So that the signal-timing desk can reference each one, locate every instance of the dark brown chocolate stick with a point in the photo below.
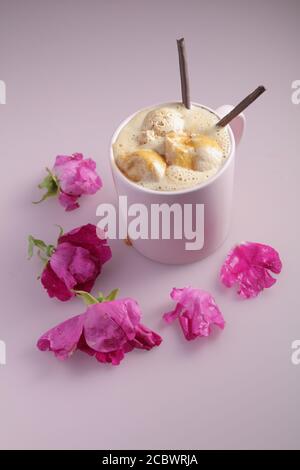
(184, 77)
(241, 106)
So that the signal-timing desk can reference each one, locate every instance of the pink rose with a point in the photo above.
(74, 263)
(197, 312)
(106, 330)
(71, 177)
(248, 265)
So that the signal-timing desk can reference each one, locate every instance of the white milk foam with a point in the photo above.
(197, 120)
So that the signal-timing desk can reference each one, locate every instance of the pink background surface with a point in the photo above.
(74, 70)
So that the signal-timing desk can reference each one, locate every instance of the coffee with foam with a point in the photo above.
(185, 147)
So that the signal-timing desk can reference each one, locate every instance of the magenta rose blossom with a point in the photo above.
(74, 263)
(71, 177)
(107, 331)
(248, 266)
(196, 310)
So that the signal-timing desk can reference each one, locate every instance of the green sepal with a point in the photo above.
(111, 296)
(46, 250)
(50, 250)
(100, 297)
(51, 185)
(32, 242)
(61, 230)
(86, 297)
(90, 299)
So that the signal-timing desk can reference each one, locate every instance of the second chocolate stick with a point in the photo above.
(241, 106)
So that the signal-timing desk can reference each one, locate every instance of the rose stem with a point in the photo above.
(184, 77)
(241, 106)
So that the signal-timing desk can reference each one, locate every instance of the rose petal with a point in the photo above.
(87, 237)
(89, 182)
(63, 338)
(82, 266)
(60, 261)
(169, 317)
(109, 325)
(106, 330)
(73, 265)
(76, 175)
(248, 265)
(55, 286)
(145, 338)
(67, 201)
(197, 312)
(76, 262)
(114, 357)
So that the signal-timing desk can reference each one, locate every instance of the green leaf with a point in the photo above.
(30, 246)
(44, 251)
(61, 230)
(49, 183)
(90, 299)
(112, 295)
(32, 242)
(50, 250)
(86, 297)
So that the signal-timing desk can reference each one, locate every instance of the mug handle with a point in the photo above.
(237, 124)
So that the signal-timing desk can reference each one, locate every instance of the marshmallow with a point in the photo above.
(142, 165)
(163, 120)
(179, 150)
(149, 140)
(208, 153)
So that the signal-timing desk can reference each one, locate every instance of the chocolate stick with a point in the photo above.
(184, 77)
(241, 106)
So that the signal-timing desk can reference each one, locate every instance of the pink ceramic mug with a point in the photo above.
(215, 196)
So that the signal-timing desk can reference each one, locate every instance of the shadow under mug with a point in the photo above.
(215, 196)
